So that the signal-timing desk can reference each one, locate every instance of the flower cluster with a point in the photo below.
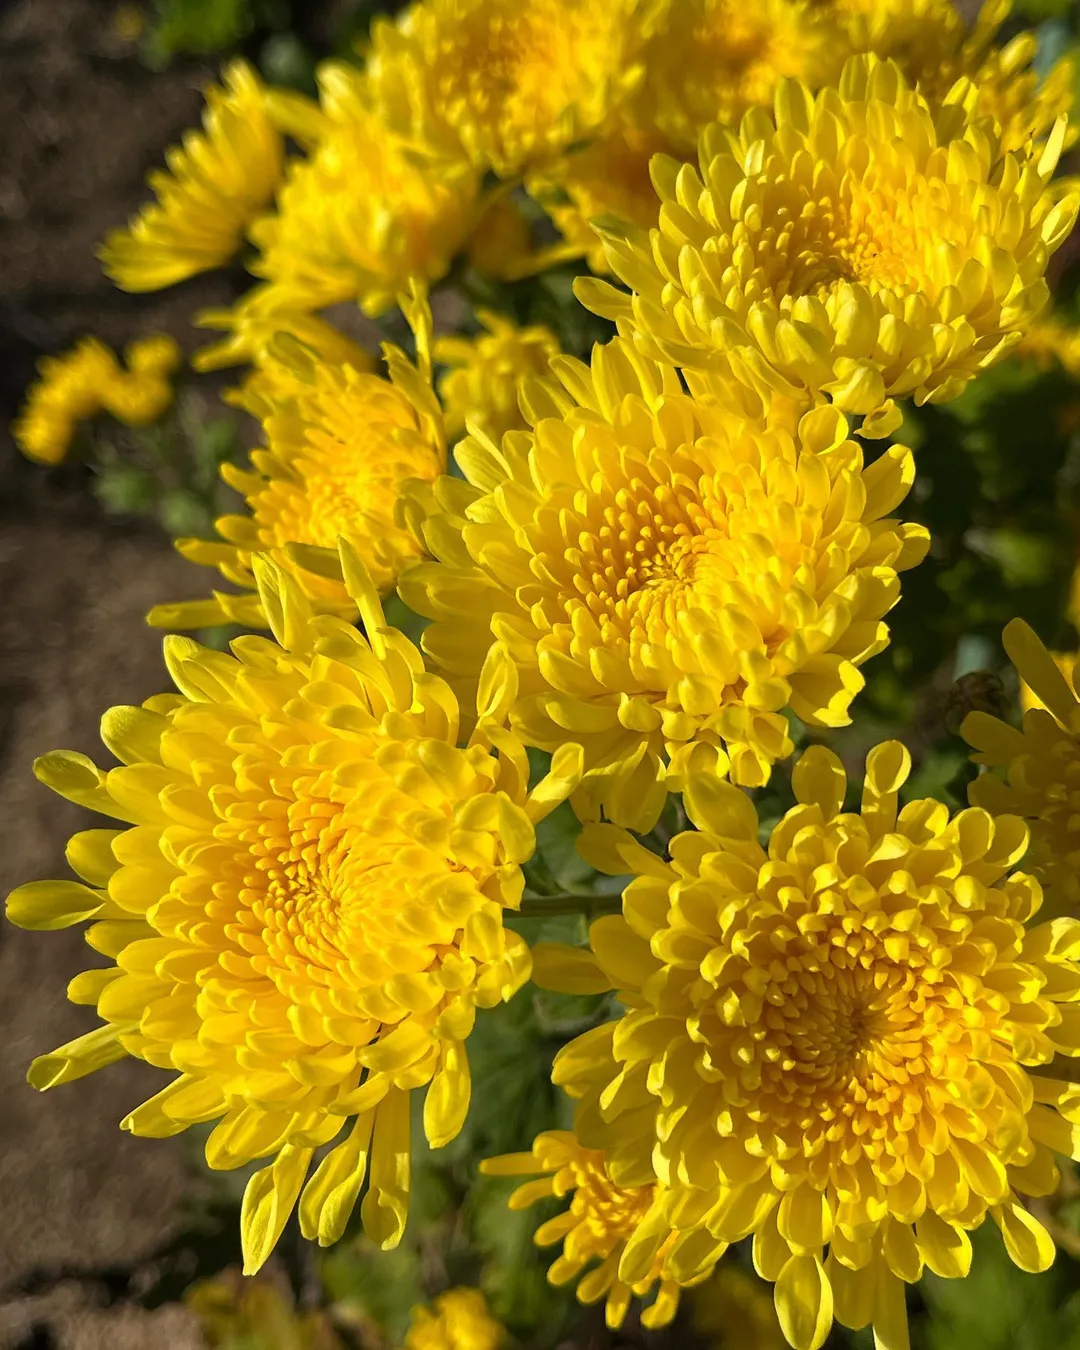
(89, 380)
(646, 575)
(305, 908)
(826, 1042)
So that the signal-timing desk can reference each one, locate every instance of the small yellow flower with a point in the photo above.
(934, 47)
(481, 385)
(601, 1218)
(340, 443)
(89, 380)
(360, 216)
(860, 247)
(714, 59)
(215, 185)
(1041, 761)
(1049, 342)
(458, 1320)
(253, 324)
(827, 1043)
(668, 577)
(233, 1311)
(505, 84)
(304, 903)
(609, 177)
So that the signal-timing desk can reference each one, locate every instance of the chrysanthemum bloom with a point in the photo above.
(340, 443)
(713, 59)
(305, 906)
(1049, 342)
(215, 185)
(506, 85)
(826, 1044)
(481, 385)
(667, 577)
(596, 1227)
(861, 247)
(608, 177)
(359, 217)
(457, 1320)
(934, 47)
(1041, 761)
(88, 380)
(252, 324)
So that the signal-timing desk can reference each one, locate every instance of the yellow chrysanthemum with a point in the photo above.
(713, 59)
(458, 1320)
(934, 47)
(609, 177)
(481, 385)
(667, 577)
(340, 445)
(1041, 761)
(504, 84)
(359, 217)
(596, 1227)
(254, 322)
(862, 246)
(89, 380)
(215, 185)
(826, 1043)
(1050, 342)
(305, 907)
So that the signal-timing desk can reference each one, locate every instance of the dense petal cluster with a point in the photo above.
(304, 905)
(457, 1320)
(481, 385)
(340, 444)
(359, 216)
(826, 1042)
(502, 84)
(860, 246)
(934, 47)
(714, 59)
(215, 185)
(88, 380)
(595, 1228)
(667, 577)
(1041, 763)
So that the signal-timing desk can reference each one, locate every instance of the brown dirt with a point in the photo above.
(83, 121)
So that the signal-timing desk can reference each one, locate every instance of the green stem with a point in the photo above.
(553, 906)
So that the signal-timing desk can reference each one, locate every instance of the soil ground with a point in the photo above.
(82, 120)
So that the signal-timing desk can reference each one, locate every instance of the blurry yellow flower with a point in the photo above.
(234, 1312)
(596, 1227)
(934, 47)
(733, 1311)
(217, 182)
(1041, 763)
(255, 321)
(609, 177)
(482, 383)
(667, 578)
(1050, 342)
(501, 243)
(826, 1043)
(89, 380)
(340, 444)
(458, 1320)
(360, 216)
(864, 247)
(505, 84)
(714, 59)
(304, 905)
